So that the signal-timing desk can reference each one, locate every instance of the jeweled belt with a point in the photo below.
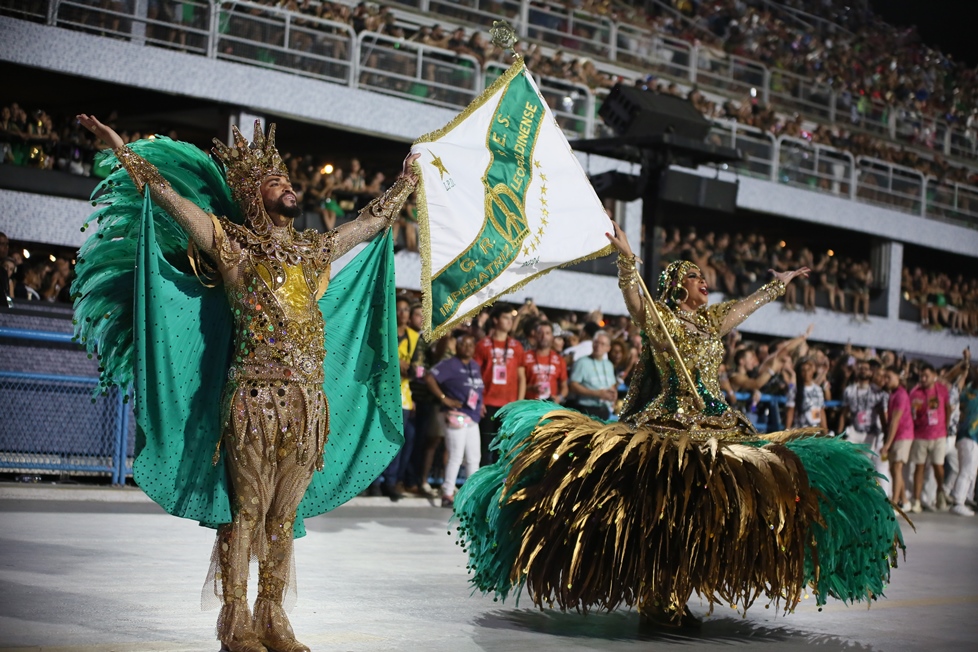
(307, 370)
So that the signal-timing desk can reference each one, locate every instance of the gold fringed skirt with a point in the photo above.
(583, 514)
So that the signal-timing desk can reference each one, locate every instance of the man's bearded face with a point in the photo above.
(279, 197)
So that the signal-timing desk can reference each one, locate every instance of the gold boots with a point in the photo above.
(234, 624)
(271, 622)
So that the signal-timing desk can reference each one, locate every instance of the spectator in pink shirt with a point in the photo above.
(931, 412)
(899, 435)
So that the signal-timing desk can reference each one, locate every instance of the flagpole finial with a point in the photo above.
(503, 36)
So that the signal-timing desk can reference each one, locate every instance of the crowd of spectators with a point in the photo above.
(40, 140)
(866, 58)
(37, 139)
(736, 264)
(587, 361)
(945, 301)
(38, 279)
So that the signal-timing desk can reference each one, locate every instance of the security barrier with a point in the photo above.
(49, 423)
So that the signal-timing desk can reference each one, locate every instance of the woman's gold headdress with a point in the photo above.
(671, 282)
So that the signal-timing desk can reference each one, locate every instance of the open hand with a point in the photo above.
(786, 277)
(106, 134)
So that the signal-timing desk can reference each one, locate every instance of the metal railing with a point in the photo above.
(284, 40)
(573, 105)
(816, 167)
(34, 10)
(473, 12)
(889, 185)
(759, 147)
(803, 94)
(951, 201)
(186, 26)
(673, 57)
(570, 29)
(49, 423)
(416, 71)
(730, 74)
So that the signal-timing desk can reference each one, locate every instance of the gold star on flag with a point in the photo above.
(536, 164)
(436, 161)
(543, 177)
(543, 190)
(540, 231)
(543, 201)
(545, 213)
(544, 221)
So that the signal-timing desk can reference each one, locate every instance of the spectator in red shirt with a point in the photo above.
(500, 358)
(546, 373)
(931, 412)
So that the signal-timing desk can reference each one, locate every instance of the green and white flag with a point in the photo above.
(502, 200)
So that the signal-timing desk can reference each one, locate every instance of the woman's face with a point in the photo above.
(465, 347)
(616, 354)
(695, 285)
(807, 371)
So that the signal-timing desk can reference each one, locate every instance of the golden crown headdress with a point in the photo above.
(246, 165)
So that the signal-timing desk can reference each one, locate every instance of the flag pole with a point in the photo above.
(650, 304)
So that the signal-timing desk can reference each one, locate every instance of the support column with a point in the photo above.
(140, 14)
(887, 263)
(631, 223)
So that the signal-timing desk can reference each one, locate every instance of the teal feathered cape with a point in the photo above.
(142, 310)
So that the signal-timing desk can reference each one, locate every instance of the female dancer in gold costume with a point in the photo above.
(679, 496)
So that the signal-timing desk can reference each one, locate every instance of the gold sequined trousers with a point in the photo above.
(274, 435)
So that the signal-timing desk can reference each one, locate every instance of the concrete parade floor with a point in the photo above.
(104, 570)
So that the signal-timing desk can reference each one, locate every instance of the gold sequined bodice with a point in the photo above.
(698, 339)
(278, 327)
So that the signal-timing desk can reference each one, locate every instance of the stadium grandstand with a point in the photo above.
(859, 144)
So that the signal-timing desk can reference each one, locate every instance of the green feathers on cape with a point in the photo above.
(140, 308)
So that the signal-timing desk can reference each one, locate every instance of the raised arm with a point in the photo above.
(187, 214)
(628, 276)
(730, 314)
(379, 213)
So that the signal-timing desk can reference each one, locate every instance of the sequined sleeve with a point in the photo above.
(728, 315)
(628, 283)
(375, 216)
(188, 215)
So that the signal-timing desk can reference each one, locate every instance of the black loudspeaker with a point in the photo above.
(701, 192)
(617, 185)
(632, 112)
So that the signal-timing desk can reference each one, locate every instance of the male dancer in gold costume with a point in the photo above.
(276, 417)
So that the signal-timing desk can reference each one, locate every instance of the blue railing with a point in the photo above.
(51, 422)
